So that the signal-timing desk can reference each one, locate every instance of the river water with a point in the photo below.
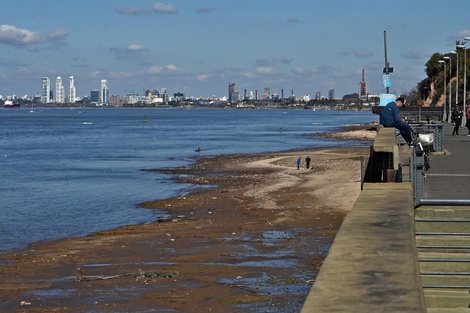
(72, 172)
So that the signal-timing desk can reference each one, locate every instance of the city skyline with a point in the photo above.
(198, 48)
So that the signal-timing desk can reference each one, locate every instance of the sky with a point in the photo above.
(198, 47)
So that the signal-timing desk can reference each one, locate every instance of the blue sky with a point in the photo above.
(198, 47)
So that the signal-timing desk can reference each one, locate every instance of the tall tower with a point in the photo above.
(104, 92)
(46, 90)
(267, 93)
(362, 87)
(231, 92)
(331, 94)
(59, 90)
(72, 90)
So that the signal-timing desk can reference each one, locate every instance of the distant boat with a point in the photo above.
(32, 108)
(87, 123)
(9, 104)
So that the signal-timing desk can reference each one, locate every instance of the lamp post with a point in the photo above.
(450, 82)
(465, 80)
(456, 76)
(444, 115)
(450, 88)
(461, 45)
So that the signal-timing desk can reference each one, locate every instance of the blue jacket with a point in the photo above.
(390, 114)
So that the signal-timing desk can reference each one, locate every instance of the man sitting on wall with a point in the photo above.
(390, 118)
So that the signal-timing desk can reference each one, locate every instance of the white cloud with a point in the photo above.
(164, 8)
(170, 68)
(11, 35)
(202, 77)
(155, 70)
(265, 70)
(136, 47)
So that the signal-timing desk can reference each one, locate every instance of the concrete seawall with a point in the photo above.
(372, 265)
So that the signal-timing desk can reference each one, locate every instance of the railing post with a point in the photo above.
(417, 174)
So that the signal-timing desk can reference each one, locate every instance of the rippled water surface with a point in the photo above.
(74, 172)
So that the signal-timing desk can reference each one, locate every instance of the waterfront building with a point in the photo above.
(72, 90)
(318, 95)
(95, 96)
(267, 93)
(59, 90)
(132, 98)
(331, 94)
(232, 94)
(46, 90)
(104, 92)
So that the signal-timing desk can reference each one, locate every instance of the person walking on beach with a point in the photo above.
(390, 117)
(307, 162)
(467, 114)
(457, 119)
(298, 163)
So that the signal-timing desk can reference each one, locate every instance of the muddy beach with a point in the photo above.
(251, 239)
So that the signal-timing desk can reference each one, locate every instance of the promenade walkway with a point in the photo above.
(443, 227)
(449, 175)
(388, 255)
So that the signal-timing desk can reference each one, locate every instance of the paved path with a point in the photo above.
(443, 232)
(449, 175)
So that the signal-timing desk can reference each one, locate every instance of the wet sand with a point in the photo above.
(253, 243)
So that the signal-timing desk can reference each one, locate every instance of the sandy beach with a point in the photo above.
(251, 239)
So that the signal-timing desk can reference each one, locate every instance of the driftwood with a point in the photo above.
(81, 276)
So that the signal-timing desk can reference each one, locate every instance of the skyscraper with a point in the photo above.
(72, 91)
(46, 90)
(267, 93)
(104, 96)
(59, 90)
(232, 96)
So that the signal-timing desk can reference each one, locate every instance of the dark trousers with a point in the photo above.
(404, 129)
(458, 122)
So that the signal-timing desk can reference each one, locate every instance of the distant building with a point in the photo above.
(59, 90)
(132, 98)
(179, 96)
(232, 94)
(95, 95)
(46, 90)
(72, 90)
(267, 93)
(157, 96)
(104, 92)
(331, 94)
(318, 95)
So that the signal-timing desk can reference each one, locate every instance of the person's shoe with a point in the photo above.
(415, 141)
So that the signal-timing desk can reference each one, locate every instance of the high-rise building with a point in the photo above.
(59, 91)
(95, 95)
(267, 93)
(331, 94)
(232, 94)
(318, 95)
(72, 90)
(46, 90)
(104, 92)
